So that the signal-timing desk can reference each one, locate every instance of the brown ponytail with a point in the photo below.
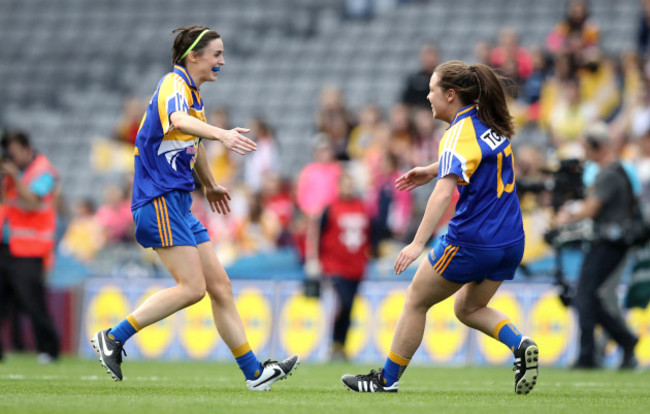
(184, 39)
(480, 85)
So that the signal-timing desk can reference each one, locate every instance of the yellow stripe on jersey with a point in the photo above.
(464, 111)
(169, 229)
(446, 147)
(182, 69)
(198, 97)
(198, 114)
(144, 117)
(136, 151)
(173, 90)
(460, 143)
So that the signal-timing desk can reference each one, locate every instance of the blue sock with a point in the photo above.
(394, 368)
(124, 330)
(508, 334)
(247, 361)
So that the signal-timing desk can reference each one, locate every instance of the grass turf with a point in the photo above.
(76, 385)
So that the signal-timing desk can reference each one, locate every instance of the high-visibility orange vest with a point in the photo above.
(31, 230)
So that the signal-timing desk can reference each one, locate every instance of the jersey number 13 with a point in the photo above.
(509, 166)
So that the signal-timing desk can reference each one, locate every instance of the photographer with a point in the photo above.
(608, 203)
(27, 228)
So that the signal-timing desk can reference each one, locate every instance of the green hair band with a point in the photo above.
(189, 49)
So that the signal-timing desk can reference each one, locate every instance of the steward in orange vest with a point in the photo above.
(32, 225)
(28, 187)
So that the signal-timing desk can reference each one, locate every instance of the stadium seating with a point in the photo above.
(67, 65)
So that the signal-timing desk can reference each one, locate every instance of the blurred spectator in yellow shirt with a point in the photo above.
(84, 236)
(568, 120)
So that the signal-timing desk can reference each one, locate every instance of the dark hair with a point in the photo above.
(17, 136)
(184, 39)
(480, 85)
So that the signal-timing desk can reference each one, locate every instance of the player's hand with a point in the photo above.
(406, 257)
(235, 141)
(218, 198)
(414, 178)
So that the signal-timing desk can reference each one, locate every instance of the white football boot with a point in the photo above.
(273, 371)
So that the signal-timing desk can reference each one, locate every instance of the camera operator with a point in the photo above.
(27, 226)
(608, 203)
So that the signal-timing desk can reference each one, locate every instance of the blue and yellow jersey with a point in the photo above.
(164, 156)
(487, 213)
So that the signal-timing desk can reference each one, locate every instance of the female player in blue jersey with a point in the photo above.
(167, 148)
(485, 240)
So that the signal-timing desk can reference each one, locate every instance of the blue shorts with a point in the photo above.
(167, 221)
(461, 264)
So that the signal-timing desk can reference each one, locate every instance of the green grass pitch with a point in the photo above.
(82, 386)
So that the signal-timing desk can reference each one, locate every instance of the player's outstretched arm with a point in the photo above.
(416, 177)
(218, 197)
(436, 206)
(231, 138)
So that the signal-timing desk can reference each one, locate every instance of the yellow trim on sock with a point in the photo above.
(498, 328)
(241, 350)
(130, 319)
(399, 360)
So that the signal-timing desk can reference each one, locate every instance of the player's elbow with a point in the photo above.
(444, 190)
(179, 120)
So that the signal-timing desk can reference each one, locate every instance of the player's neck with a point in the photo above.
(195, 76)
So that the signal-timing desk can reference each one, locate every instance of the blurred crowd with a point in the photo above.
(556, 90)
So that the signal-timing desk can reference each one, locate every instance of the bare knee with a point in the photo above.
(194, 292)
(464, 311)
(221, 290)
(461, 313)
(416, 302)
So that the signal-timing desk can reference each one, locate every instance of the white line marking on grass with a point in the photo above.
(589, 384)
(37, 377)
(152, 378)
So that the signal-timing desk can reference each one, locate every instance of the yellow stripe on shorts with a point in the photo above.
(161, 223)
(442, 258)
(169, 229)
(442, 264)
